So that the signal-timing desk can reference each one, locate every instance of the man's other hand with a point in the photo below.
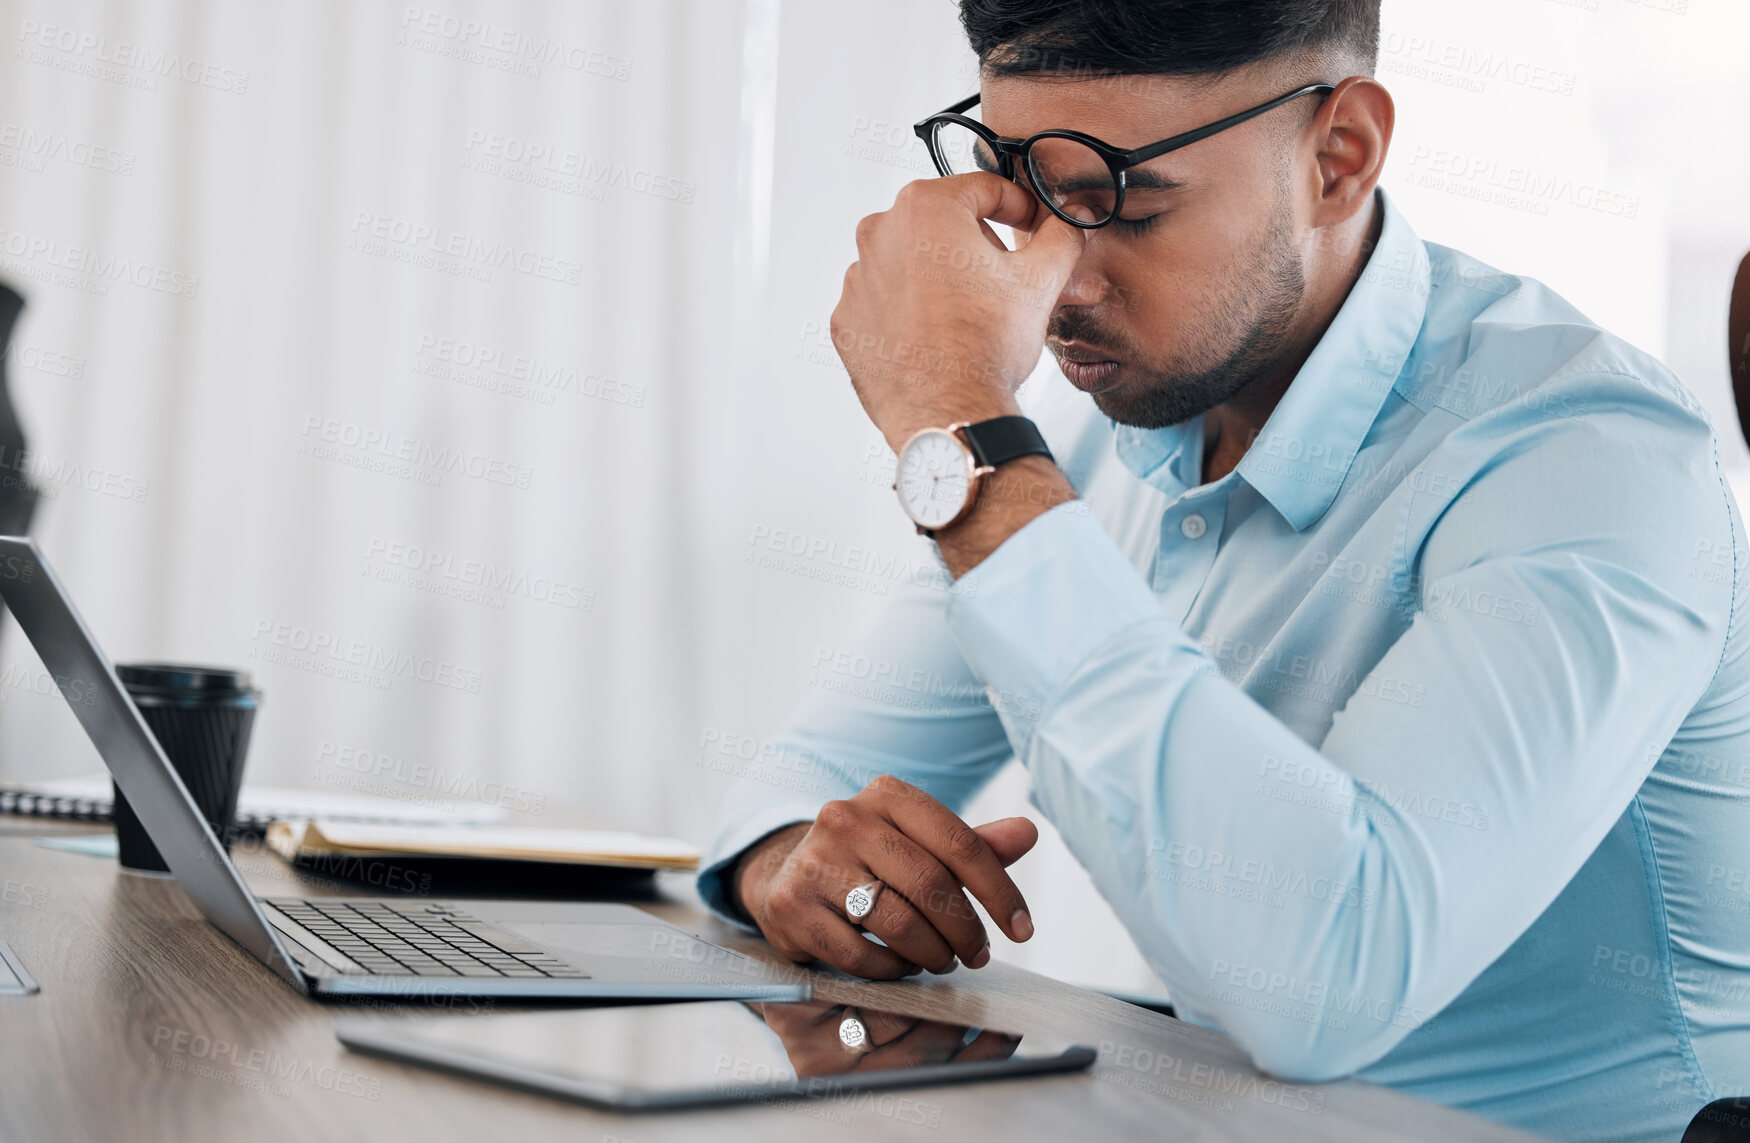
(793, 883)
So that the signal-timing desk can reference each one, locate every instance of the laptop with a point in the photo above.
(409, 948)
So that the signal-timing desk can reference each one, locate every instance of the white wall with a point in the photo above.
(700, 406)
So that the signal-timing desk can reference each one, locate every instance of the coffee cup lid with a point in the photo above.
(182, 677)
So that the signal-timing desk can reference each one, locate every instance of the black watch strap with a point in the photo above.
(1002, 439)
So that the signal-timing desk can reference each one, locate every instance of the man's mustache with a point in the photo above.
(1076, 326)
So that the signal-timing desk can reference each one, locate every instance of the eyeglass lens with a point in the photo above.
(1064, 172)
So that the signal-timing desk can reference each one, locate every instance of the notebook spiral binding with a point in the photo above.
(28, 803)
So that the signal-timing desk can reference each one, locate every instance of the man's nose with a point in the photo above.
(1086, 285)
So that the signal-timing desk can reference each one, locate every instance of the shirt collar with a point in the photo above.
(1306, 448)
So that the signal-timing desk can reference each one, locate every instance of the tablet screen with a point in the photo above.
(669, 1054)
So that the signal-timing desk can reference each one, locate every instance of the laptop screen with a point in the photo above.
(85, 677)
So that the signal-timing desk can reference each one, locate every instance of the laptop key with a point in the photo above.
(432, 940)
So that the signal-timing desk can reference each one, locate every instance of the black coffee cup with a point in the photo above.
(201, 716)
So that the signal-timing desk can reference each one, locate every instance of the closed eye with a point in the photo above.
(1136, 226)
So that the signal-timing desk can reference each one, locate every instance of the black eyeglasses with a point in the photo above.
(1066, 168)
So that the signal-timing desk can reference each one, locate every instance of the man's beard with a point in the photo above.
(1255, 338)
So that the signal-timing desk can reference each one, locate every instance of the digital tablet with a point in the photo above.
(651, 1057)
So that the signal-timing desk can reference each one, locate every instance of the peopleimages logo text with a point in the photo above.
(434, 240)
(308, 649)
(338, 434)
(90, 48)
(35, 144)
(563, 161)
(480, 365)
(97, 265)
(426, 776)
(482, 574)
(481, 35)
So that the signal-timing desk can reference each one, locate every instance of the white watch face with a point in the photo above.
(935, 476)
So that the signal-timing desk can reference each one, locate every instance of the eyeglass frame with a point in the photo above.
(1119, 161)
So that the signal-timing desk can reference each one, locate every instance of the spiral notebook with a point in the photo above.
(88, 799)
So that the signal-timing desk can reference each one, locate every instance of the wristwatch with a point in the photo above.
(940, 471)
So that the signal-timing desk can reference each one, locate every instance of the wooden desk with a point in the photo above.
(129, 970)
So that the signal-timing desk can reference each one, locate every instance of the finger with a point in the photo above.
(990, 196)
(832, 939)
(931, 1042)
(818, 1051)
(1054, 245)
(989, 1046)
(914, 874)
(791, 1017)
(1009, 838)
(907, 932)
(993, 237)
(885, 1027)
(958, 847)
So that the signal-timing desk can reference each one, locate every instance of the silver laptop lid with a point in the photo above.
(199, 863)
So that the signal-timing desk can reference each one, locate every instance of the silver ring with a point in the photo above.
(853, 1035)
(859, 902)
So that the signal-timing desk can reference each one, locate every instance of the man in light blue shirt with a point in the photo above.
(1374, 636)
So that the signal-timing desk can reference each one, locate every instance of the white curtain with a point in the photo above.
(445, 363)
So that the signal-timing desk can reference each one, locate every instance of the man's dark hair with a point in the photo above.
(1165, 37)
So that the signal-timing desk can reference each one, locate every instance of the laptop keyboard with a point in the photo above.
(404, 938)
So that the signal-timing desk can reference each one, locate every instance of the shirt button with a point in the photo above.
(1193, 526)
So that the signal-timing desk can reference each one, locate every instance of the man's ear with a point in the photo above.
(1351, 134)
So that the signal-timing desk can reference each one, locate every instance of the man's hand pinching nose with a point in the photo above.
(939, 321)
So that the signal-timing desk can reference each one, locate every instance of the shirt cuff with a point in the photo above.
(737, 836)
(1034, 611)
